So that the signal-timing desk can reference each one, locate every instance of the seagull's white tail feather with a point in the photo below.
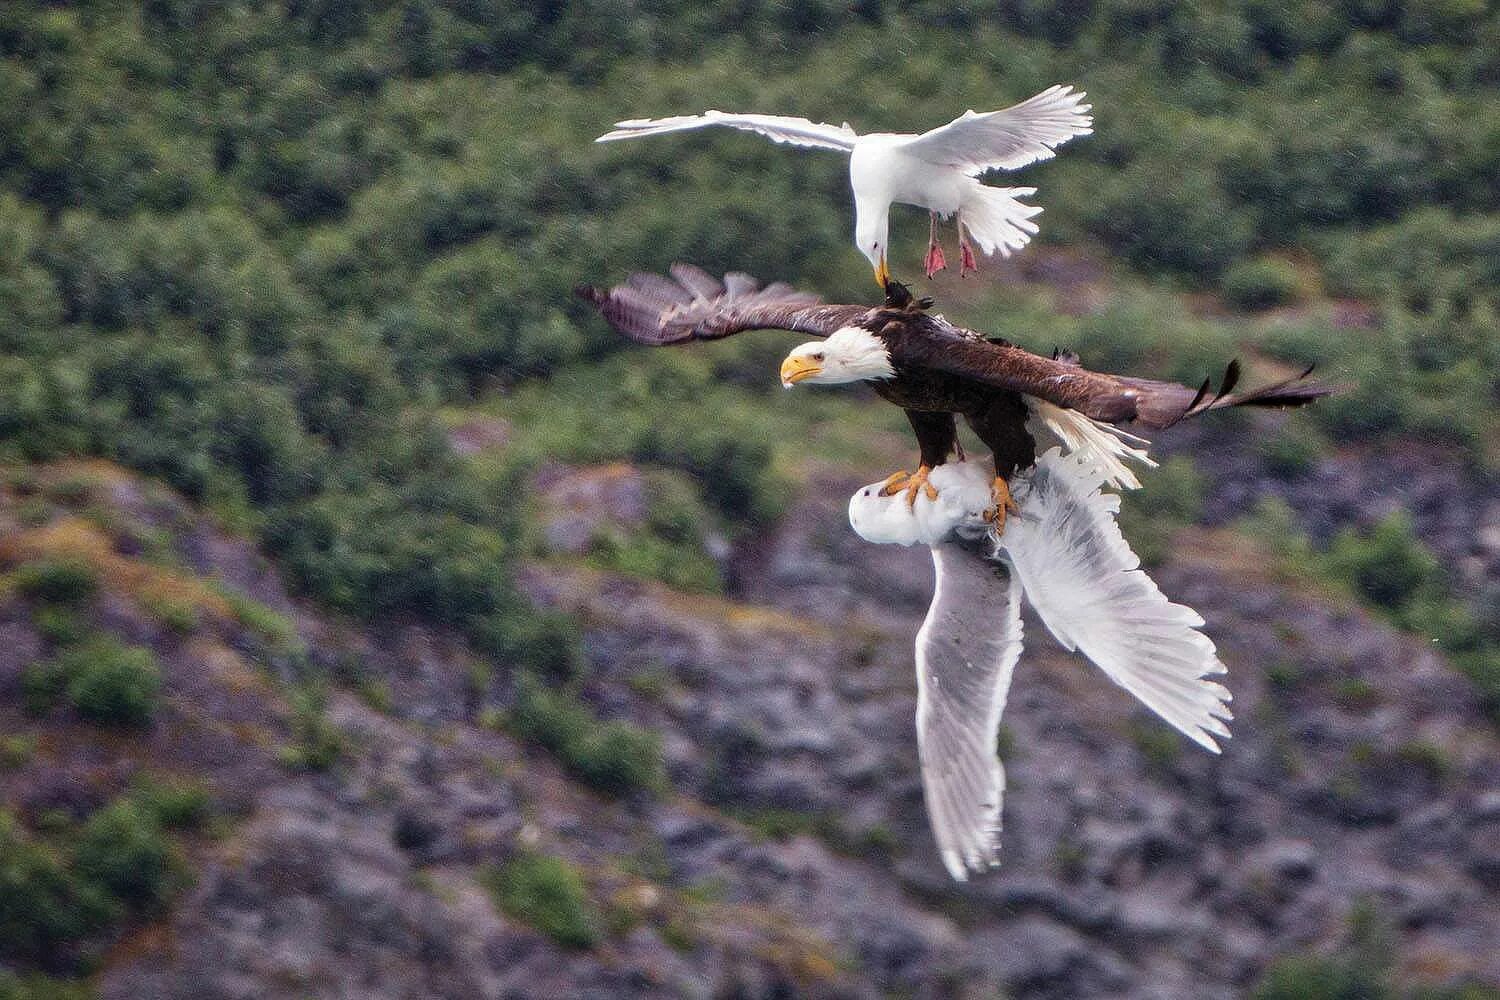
(1101, 445)
(995, 219)
(1089, 590)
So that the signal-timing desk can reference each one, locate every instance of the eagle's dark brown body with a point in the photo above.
(941, 371)
(932, 401)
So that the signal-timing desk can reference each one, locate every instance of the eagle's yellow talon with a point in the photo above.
(1004, 504)
(911, 483)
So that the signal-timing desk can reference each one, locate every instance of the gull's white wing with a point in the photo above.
(966, 651)
(1007, 139)
(778, 128)
(1090, 592)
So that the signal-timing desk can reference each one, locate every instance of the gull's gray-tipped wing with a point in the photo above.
(777, 128)
(1089, 590)
(694, 305)
(966, 651)
(1006, 139)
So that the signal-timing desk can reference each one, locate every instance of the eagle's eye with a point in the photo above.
(818, 356)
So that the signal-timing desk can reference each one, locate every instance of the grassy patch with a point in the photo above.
(546, 893)
(614, 757)
(61, 580)
(316, 744)
(103, 680)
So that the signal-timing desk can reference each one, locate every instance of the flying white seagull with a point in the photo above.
(935, 170)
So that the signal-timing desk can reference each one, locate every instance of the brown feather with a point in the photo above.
(654, 310)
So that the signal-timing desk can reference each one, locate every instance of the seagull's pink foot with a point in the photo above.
(934, 261)
(969, 263)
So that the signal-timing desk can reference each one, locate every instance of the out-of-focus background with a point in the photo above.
(373, 622)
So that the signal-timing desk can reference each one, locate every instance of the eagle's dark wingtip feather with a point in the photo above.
(1231, 378)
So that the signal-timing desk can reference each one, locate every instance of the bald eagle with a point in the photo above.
(1052, 428)
(935, 170)
(1012, 399)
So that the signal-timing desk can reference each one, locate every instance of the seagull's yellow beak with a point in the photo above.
(882, 273)
(796, 368)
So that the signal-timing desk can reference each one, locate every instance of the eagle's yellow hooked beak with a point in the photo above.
(882, 273)
(796, 368)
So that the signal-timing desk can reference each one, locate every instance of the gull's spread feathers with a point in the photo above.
(1010, 139)
(777, 128)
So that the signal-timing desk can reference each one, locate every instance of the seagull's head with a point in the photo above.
(850, 354)
(871, 233)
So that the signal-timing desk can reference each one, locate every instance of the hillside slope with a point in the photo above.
(791, 852)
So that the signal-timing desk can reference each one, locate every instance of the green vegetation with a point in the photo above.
(616, 758)
(123, 850)
(1261, 283)
(44, 904)
(102, 679)
(63, 887)
(546, 893)
(317, 743)
(57, 581)
(39, 987)
(279, 312)
(1172, 499)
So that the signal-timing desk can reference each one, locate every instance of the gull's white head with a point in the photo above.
(872, 234)
(850, 354)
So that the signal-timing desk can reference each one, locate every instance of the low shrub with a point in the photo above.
(1260, 283)
(111, 683)
(546, 893)
(62, 580)
(177, 803)
(44, 906)
(123, 850)
(615, 757)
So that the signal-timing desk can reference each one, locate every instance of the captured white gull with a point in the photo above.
(1065, 553)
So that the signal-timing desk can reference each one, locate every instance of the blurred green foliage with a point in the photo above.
(104, 681)
(547, 893)
(63, 886)
(616, 758)
(63, 581)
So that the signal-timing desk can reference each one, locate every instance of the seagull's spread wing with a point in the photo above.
(1089, 590)
(777, 128)
(1008, 139)
(694, 305)
(966, 651)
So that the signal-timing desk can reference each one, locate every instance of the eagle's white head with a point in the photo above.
(850, 354)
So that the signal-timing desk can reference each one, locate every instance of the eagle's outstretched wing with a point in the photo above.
(1007, 139)
(966, 651)
(654, 310)
(1115, 399)
(777, 128)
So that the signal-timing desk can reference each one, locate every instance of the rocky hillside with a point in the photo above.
(366, 820)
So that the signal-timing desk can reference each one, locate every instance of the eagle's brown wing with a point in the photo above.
(1115, 399)
(651, 309)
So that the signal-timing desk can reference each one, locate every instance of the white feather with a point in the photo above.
(1102, 446)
